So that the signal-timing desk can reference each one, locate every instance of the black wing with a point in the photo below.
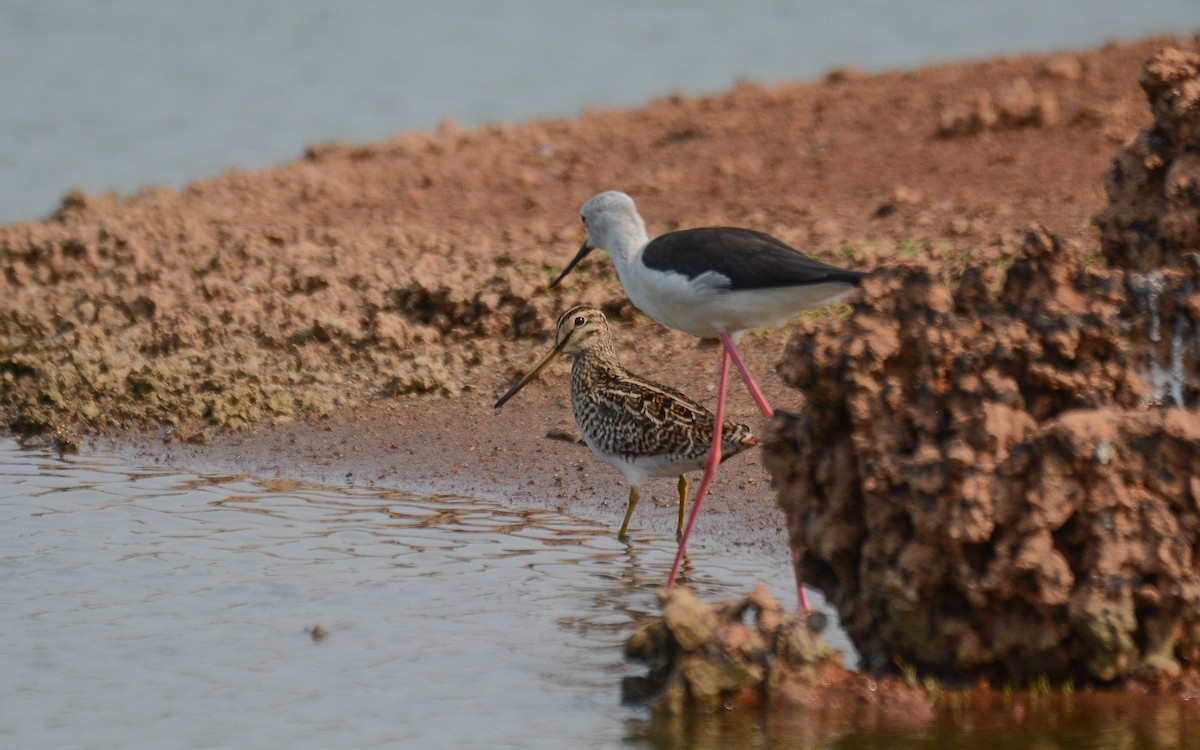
(749, 259)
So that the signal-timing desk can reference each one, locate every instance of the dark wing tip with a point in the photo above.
(748, 258)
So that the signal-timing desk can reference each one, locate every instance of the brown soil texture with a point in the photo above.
(419, 265)
(353, 315)
(1002, 479)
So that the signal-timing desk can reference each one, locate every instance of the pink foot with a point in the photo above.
(800, 595)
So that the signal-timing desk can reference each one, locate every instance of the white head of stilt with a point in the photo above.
(700, 298)
(614, 225)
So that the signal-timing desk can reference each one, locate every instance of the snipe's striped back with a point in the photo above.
(639, 427)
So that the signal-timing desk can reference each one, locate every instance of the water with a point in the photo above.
(156, 608)
(128, 93)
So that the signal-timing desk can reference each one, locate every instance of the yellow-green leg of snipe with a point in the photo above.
(634, 496)
(683, 485)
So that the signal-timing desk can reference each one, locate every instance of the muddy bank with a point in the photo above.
(1000, 480)
(357, 312)
(418, 265)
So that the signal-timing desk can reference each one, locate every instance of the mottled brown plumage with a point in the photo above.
(637, 426)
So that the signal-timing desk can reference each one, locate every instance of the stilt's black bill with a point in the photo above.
(583, 251)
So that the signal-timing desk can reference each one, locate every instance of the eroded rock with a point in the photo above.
(748, 653)
(1004, 485)
(1153, 212)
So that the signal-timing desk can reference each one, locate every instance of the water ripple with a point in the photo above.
(155, 608)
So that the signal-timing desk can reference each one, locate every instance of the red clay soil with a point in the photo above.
(354, 315)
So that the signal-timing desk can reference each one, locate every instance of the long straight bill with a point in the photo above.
(537, 370)
(583, 251)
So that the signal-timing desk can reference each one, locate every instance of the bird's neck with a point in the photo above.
(625, 244)
(600, 359)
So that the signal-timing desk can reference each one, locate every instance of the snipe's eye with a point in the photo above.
(579, 321)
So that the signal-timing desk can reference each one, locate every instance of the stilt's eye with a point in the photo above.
(579, 321)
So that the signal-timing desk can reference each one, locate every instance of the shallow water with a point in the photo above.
(158, 608)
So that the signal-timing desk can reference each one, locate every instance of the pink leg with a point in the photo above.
(767, 412)
(710, 469)
(759, 398)
(800, 595)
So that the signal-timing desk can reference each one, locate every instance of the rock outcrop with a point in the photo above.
(1005, 483)
(747, 653)
(1153, 213)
